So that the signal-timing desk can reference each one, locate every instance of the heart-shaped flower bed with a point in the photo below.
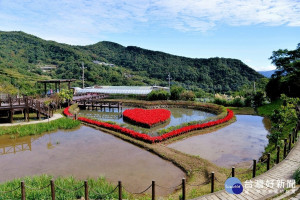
(148, 138)
(146, 117)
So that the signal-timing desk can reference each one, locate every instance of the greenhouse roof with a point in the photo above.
(139, 90)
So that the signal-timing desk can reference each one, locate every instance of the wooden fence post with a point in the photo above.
(23, 195)
(183, 189)
(120, 190)
(232, 171)
(278, 154)
(268, 161)
(284, 149)
(52, 189)
(212, 182)
(290, 141)
(153, 190)
(86, 190)
(254, 169)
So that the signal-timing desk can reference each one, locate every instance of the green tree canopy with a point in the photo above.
(287, 79)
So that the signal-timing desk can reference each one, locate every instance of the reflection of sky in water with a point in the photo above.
(178, 116)
(244, 140)
(83, 153)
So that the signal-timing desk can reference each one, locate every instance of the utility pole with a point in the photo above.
(169, 78)
(82, 64)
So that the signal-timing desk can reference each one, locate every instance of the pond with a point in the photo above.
(84, 153)
(238, 143)
(178, 116)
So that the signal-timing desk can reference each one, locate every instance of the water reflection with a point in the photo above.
(84, 153)
(239, 142)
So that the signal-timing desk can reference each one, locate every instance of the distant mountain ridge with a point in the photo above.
(267, 74)
(24, 54)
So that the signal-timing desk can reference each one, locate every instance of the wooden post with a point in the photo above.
(153, 190)
(254, 169)
(86, 190)
(290, 141)
(268, 162)
(183, 189)
(23, 195)
(11, 116)
(278, 154)
(293, 138)
(232, 171)
(52, 189)
(284, 149)
(120, 190)
(212, 182)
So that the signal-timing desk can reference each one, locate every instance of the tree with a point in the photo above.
(286, 79)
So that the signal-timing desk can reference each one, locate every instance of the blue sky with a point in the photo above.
(248, 30)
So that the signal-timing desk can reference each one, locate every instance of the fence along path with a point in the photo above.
(282, 171)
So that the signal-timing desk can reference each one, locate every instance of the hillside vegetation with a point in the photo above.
(22, 56)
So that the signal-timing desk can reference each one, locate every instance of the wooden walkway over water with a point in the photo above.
(96, 101)
(282, 172)
(10, 105)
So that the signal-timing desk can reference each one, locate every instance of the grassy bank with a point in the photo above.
(36, 129)
(65, 188)
(268, 109)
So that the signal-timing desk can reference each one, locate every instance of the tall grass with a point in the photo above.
(64, 188)
(37, 129)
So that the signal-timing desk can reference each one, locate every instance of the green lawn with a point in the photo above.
(267, 110)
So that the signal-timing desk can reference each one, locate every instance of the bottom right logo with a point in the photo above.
(233, 186)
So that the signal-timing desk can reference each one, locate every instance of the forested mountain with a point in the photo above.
(23, 56)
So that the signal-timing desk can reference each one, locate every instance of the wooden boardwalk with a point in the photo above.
(282, 172)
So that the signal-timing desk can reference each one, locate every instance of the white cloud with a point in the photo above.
(96, 17)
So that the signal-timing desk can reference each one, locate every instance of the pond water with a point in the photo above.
(84, 153)
(240, 142)
(178, 116)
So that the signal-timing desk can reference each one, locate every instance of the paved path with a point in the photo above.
(55, 116)
(283, 171)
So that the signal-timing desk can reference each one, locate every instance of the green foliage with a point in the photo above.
(188, 95)
(37, 129)
(22, 55)
(268, 109)
(258, 99)
(283, 119)
(65, 95)
(176, 92)
(296, 176)
(286, 80)
(158, 95)
(98, 186)
(237, 102)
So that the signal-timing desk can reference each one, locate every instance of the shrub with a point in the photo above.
(220, 101)
(237, 102)
(176, 92)
(188, 95)
(158, 95)
(296, 176)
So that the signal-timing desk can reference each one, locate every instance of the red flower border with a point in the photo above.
(150, 139)
(144, 117)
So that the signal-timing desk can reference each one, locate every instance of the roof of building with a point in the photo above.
(139, 90)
